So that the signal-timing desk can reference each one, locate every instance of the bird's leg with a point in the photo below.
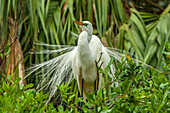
(97, 79)
(82, 88)
(95, 89)
(82, 80)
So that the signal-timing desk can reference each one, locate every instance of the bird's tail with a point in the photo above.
(56, 70)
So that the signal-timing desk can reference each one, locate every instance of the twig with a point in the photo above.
(13, 42)
(22, 58)
(108, 84)
(166, 73)
(144, 102)
(109, 100)
(150, 66)
(111, 105)
(76, 106)
(97, 82)
(156, 5)
(100, 57)
(97, 79)
(90, 107)
(9, 45)
(100, 65)
(141, 84)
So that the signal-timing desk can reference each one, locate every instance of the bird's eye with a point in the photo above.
(85, 24)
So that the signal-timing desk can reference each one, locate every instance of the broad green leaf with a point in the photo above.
(133, 42)
(151, 52)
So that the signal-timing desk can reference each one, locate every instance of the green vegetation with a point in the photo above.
(15, 98)
(145, 35)
(139, 90)
(122, 24)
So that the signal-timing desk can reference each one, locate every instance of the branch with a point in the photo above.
(10, 44)
(156, 5)
(150, 66)
(97, 82)
(166, 73)
(143, 102)
(76, 106)
(100, 57)
(22, 58)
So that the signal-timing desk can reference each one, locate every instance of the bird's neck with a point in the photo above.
(84, 51)
(85, 37)
(89, 38)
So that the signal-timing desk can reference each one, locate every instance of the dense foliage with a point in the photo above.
(21, 99)
(139, 90)
(122, 24)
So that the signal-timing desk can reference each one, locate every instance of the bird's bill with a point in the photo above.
(79, 23)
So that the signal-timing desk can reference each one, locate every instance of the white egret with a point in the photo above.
(89, 50)
(77, 62)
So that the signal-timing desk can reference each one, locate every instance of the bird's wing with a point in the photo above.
(96, 47)
(102, 59)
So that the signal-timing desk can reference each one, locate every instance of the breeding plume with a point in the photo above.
(75, 62)
(89, 51)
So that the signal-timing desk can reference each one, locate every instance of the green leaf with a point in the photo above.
(162, 85)
(28, 86)
(21, 86)
(60, 109)
(133, 42)
(1, 55)
(7, 49)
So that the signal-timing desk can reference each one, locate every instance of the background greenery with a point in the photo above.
(139, 90)
(138, 26)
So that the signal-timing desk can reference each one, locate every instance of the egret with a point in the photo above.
(76, 62)
(89, 50)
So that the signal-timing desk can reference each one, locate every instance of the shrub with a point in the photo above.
(139, 90)
(21, 99)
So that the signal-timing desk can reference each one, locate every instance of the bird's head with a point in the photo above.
(86, 26)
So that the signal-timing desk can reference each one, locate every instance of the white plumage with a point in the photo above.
(76, 62)
(89, 51)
